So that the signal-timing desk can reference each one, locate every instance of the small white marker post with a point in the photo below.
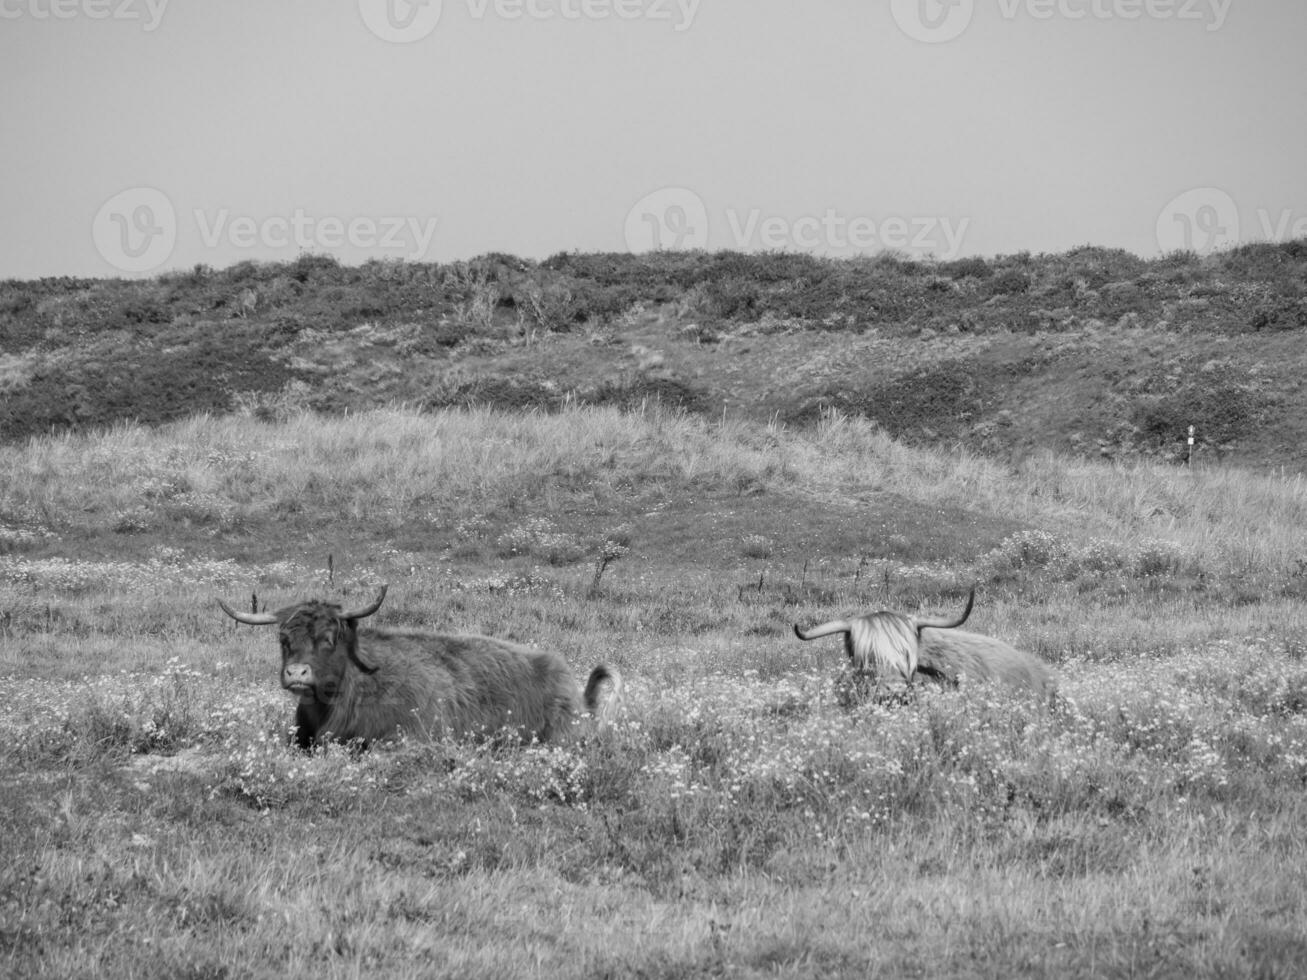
(1189, 460)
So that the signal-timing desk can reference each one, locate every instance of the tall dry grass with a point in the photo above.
(393, 462)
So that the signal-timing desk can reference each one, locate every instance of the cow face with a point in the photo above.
(883, 643)
(317, 641)
(316, 648)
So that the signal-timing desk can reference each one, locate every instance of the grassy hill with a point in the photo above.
(1093, 353)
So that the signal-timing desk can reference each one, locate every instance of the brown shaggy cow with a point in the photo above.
(895, 648)
(423, 684)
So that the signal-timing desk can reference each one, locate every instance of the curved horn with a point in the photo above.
(367, 610)
(947, 624)
(249, 619)
(826, 629)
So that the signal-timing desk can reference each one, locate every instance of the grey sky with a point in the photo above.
(215, 132)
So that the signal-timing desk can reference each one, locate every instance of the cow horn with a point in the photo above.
(837, 626)
(249, 619)
(368, 610)
(947, 624)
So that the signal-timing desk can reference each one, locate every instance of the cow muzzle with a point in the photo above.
(298, 679)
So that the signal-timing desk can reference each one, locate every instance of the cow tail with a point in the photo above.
(591, 697)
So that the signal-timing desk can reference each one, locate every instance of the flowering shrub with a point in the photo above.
(537, 536)
(1102, 555)
(535, 773)
(267, 772)
(1035, 549)
(1156, 558)
(1027, 549)
(476, 526)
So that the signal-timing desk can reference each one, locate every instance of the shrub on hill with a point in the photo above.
(205, 373)
(974, 268)
(938, 401)
(1009, 282)
(1223, 402)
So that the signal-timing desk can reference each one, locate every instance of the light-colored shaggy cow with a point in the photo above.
(952, 657)
(369, 684)
(897, 649)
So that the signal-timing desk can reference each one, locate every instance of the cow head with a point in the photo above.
(885, 643)
(318, 643)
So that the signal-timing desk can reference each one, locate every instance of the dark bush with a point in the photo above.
(1009, 282)
(1221, 401)
(634, 393)
(315, 268)
(513, 394)
(1288, 314)
(142, 383)
(974, 268)
(246, 273)
(736, 298)
(140, 311)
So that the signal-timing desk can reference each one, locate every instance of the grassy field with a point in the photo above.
(742, 818)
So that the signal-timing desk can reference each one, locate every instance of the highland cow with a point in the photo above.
(953, 657)
(368, 684)
(896, 649)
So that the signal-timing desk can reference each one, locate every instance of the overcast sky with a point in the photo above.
(143, 135)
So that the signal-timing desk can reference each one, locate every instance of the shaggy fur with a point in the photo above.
(884, 643)
(895, 649)
(368, 684)
(949, 656)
